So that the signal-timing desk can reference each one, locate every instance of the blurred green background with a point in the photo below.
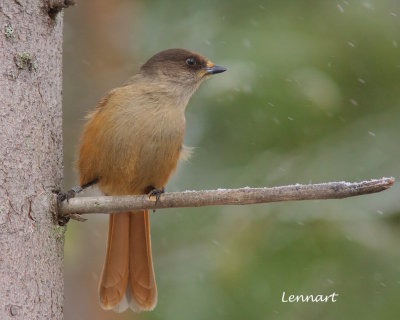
(312, 94)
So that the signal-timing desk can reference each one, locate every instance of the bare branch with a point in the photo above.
(242, 196)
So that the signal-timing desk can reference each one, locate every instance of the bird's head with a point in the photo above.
(180, 67)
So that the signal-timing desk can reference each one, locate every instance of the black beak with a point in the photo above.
(214, 69)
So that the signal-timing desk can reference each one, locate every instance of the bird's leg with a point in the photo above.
(75, 190)
(63, 220)
(157, 193)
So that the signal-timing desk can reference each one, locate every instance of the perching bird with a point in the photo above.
(130, 145)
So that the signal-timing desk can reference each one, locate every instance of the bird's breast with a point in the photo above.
(144, 151)
(159, 154)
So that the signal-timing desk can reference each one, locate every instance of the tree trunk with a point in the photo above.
(31, 243)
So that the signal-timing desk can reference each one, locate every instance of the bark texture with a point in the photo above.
(31, 243)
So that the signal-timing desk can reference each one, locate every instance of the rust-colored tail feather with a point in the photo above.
(141, 274)
(115, 273)
(128, 260)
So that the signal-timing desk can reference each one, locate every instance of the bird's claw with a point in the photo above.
(69, 194)
(65, 195)
(62, 221)
(156, 193)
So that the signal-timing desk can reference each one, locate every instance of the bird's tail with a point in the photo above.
(128, 276)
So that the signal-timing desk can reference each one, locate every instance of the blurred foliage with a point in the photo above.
(312, 94)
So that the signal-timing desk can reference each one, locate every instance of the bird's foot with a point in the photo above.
(69, 194)
(62, 196)
(62, 221)
(156, 193)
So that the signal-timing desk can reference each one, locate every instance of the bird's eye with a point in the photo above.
(191, 61)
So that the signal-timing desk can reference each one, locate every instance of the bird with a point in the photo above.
(130, 145)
